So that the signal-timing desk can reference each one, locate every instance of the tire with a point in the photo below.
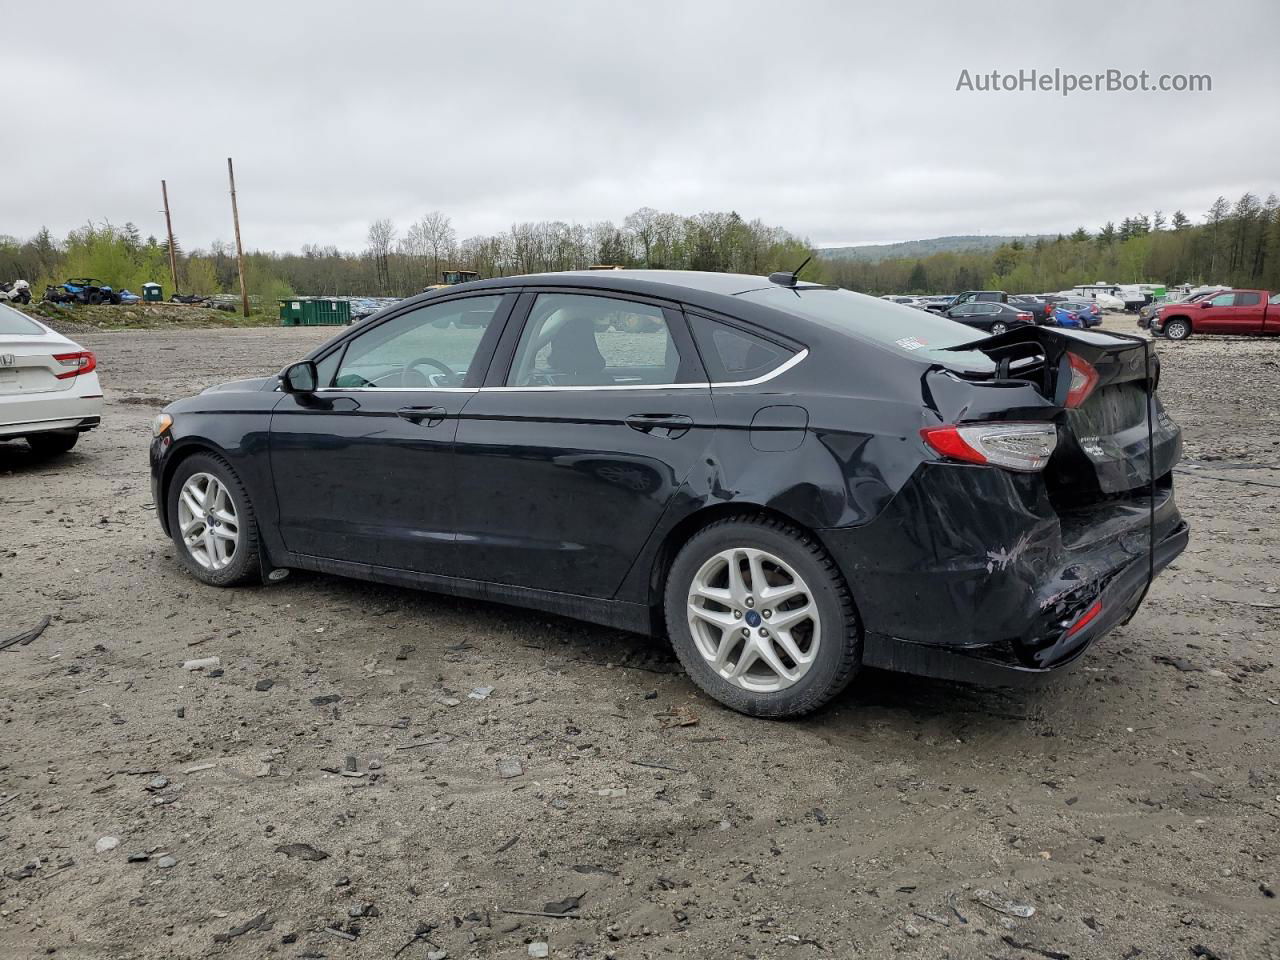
(54, 443)
(93, 297)
(226, 568)
(836, 655)
(1177, 329)
(998, 328)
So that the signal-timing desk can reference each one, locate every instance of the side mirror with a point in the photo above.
(1204, 304)
(301, 377)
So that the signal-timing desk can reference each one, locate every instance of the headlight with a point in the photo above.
(161, 424)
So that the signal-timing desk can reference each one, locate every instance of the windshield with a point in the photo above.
(14, 323)
(885, 324)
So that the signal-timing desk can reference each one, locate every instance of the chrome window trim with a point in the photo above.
(701, 385)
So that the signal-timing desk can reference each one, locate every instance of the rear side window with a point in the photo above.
(732, 355)
(15, 324)
(1248, 299)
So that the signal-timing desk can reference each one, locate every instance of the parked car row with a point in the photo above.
(996, 311)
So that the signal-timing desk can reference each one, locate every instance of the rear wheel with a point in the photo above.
(94, 297)
(761, 618)
(54, 443)
(1177, 329)
(998, 328)
(212, 522)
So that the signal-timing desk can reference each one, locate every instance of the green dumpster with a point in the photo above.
(314, 312)
(152, 293)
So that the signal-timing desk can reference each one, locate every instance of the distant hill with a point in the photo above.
(875, 252)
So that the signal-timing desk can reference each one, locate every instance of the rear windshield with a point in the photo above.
(903, 329)
(12, 322)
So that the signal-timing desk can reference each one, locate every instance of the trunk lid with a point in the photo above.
(27, 364)
(1108, 447)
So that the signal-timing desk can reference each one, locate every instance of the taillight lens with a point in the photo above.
(82, 362)
(1026, 316)
(1014, 446)
(1083, 379)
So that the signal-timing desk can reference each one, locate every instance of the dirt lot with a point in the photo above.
(1135, 802)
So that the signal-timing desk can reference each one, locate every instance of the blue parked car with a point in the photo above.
(1067, 318)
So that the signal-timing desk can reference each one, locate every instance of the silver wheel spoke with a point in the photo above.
(764, 651)
(785, 619)
(771, 595)
(788, 644)
(719, 618)
(737, 585)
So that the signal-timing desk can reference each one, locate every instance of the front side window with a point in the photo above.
(433, 346)
(1223, 300)
(733, 355)
(587, 341)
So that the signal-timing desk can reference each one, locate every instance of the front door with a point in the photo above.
(567, 459)
(362, 467)
(1215, 314)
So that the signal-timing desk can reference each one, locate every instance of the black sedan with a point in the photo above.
(995, 318)
(791, 481)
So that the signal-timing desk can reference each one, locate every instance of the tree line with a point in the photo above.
(1236, 244)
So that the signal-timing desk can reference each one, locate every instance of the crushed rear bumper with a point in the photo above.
(972, 574)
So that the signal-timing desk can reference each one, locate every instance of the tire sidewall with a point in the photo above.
(1182, 326)
(840, 637)
(245, 563)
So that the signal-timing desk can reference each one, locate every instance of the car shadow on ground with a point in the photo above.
(875, 695)
(18, 458)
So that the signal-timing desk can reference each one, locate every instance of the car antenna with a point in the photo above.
(785, 279)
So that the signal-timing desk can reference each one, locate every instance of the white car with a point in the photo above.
(49, 390)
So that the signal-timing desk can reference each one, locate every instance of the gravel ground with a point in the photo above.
(336, 787)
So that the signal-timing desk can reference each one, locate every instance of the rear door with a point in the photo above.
(1247, 313)
(595, 411)
(363, 467)
(34, 360)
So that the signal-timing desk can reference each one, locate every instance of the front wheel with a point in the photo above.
(212, 522)
(761, 617)
(1177, 329)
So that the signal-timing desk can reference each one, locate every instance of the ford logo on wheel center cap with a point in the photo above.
(753, 618)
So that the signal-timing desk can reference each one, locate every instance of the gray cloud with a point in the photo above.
(839, 122)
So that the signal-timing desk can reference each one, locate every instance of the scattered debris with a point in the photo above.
(1012, 908)
(199, 768)
(1183, 666)
(480, 693)
(341, 934)
(106, 843)
(677, 717)
(301, 851)
(657, 766)
(540, 913)
(26, 636)
(558, 908)
(509, 767)
(325, 700)
(262, 686)
(254, 924)
(539, 949)
(508, 845)
(203, 663)
(1051, 954)
(167, 862)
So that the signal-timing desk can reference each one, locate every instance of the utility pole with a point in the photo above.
(235, 216)
(168, 223)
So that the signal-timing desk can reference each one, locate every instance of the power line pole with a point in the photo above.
(173, 261)
(235, 216)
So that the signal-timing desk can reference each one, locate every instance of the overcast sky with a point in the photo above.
(839, 121)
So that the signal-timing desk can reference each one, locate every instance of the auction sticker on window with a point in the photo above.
(910, 343)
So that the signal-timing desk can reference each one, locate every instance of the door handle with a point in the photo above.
(670, 425)
(430, 416)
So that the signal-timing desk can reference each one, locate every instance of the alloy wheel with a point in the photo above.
(754, 620)
(208, 522)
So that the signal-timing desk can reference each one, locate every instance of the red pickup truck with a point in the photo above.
(1242, 312)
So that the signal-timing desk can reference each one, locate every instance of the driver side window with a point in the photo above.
(432, 346)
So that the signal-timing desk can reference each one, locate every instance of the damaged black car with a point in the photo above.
(790, 481)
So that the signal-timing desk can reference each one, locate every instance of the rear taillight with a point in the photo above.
(1014, 446)
(1083, 379)
(1026, 316)
(1085, 619)
(82, 362)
